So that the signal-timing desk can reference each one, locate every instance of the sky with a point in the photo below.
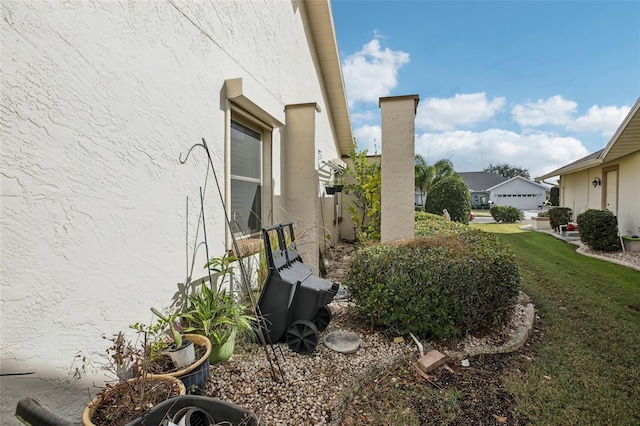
(534, 84)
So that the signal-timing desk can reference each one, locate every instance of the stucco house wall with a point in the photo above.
(616, 171)
(99, 220)
(578, 192)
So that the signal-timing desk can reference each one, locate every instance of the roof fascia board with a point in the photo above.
(575, 168)
(516, 178)
(621, 128)
(320, 18)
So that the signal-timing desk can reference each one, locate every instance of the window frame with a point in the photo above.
(251, 122)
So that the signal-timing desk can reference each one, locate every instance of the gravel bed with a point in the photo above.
(626, 258)
(316, 385)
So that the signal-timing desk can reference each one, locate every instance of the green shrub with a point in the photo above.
(559, 216)
(599, 230)
(506, 214)
(544, 213)
(452, 281)
(554, 196)
(450, 193)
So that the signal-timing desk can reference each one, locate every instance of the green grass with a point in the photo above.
(582, 366)
(587, 370)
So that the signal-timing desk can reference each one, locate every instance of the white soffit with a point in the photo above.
(324, 38)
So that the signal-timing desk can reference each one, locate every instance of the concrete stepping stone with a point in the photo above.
(342, 341)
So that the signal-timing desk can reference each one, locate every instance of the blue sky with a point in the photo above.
(536, 84)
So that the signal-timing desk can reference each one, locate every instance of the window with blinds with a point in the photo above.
(246, 179)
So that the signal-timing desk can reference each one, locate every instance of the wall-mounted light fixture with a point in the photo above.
(596, 182)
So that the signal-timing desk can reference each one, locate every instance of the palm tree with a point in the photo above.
(427, 176)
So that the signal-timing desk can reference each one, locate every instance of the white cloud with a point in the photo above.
(553, 110)
(539, 152)
(363, 116)
(372, 72)
(605, 120)
(368, 137)
(445, 114)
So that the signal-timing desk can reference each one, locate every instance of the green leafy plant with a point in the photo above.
(171, 321)
(217, 315)
(559, 216)
(221, 266)
(448, 281)
(599, 230)
(365, 189)
(554, 196)
(506, 214)
(452, 194)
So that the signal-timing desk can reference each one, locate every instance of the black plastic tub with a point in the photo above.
(220, 411)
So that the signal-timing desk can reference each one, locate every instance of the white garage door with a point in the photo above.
(519, 201)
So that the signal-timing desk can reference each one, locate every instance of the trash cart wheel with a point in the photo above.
(323, 318)
(302, 336)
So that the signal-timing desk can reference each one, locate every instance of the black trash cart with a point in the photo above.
(293, 300)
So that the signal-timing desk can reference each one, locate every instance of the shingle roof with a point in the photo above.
(480, 181)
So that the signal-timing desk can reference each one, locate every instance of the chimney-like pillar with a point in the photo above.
(398, 158)
(300, 180)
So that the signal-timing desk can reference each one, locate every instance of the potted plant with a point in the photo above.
(631, 242)
(220, 318)
(334, 185)
(181, 351)
(162, 353)
(134, 392)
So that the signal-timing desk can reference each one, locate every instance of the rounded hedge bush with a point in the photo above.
(559, 216)
(448, 281)
(599, 230)
(506, 214)
(450, 193)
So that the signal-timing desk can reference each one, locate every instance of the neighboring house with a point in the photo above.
(518, 192)
(479, 184)
(492, 189)
(99, 218)
(608, 179)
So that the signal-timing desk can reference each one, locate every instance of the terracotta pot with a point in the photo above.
(90, 409)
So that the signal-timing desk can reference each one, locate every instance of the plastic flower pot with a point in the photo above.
(184, 355)
(195, 376)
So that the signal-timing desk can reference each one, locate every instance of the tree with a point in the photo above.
(507, 170)
(554, 196)
(365, 208)
(427, 176)
(450, 193)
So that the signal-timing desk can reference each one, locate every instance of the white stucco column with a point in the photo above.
(398, 183)
(300, 180)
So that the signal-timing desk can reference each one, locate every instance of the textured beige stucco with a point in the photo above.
(99, 220)
(398, 178)
(579, 194)
(301, 203)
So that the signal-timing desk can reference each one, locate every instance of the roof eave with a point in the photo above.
(570, 169)
(322, 28)
(621, 129)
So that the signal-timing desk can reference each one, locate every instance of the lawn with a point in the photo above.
(580, 367)
(588, 366)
